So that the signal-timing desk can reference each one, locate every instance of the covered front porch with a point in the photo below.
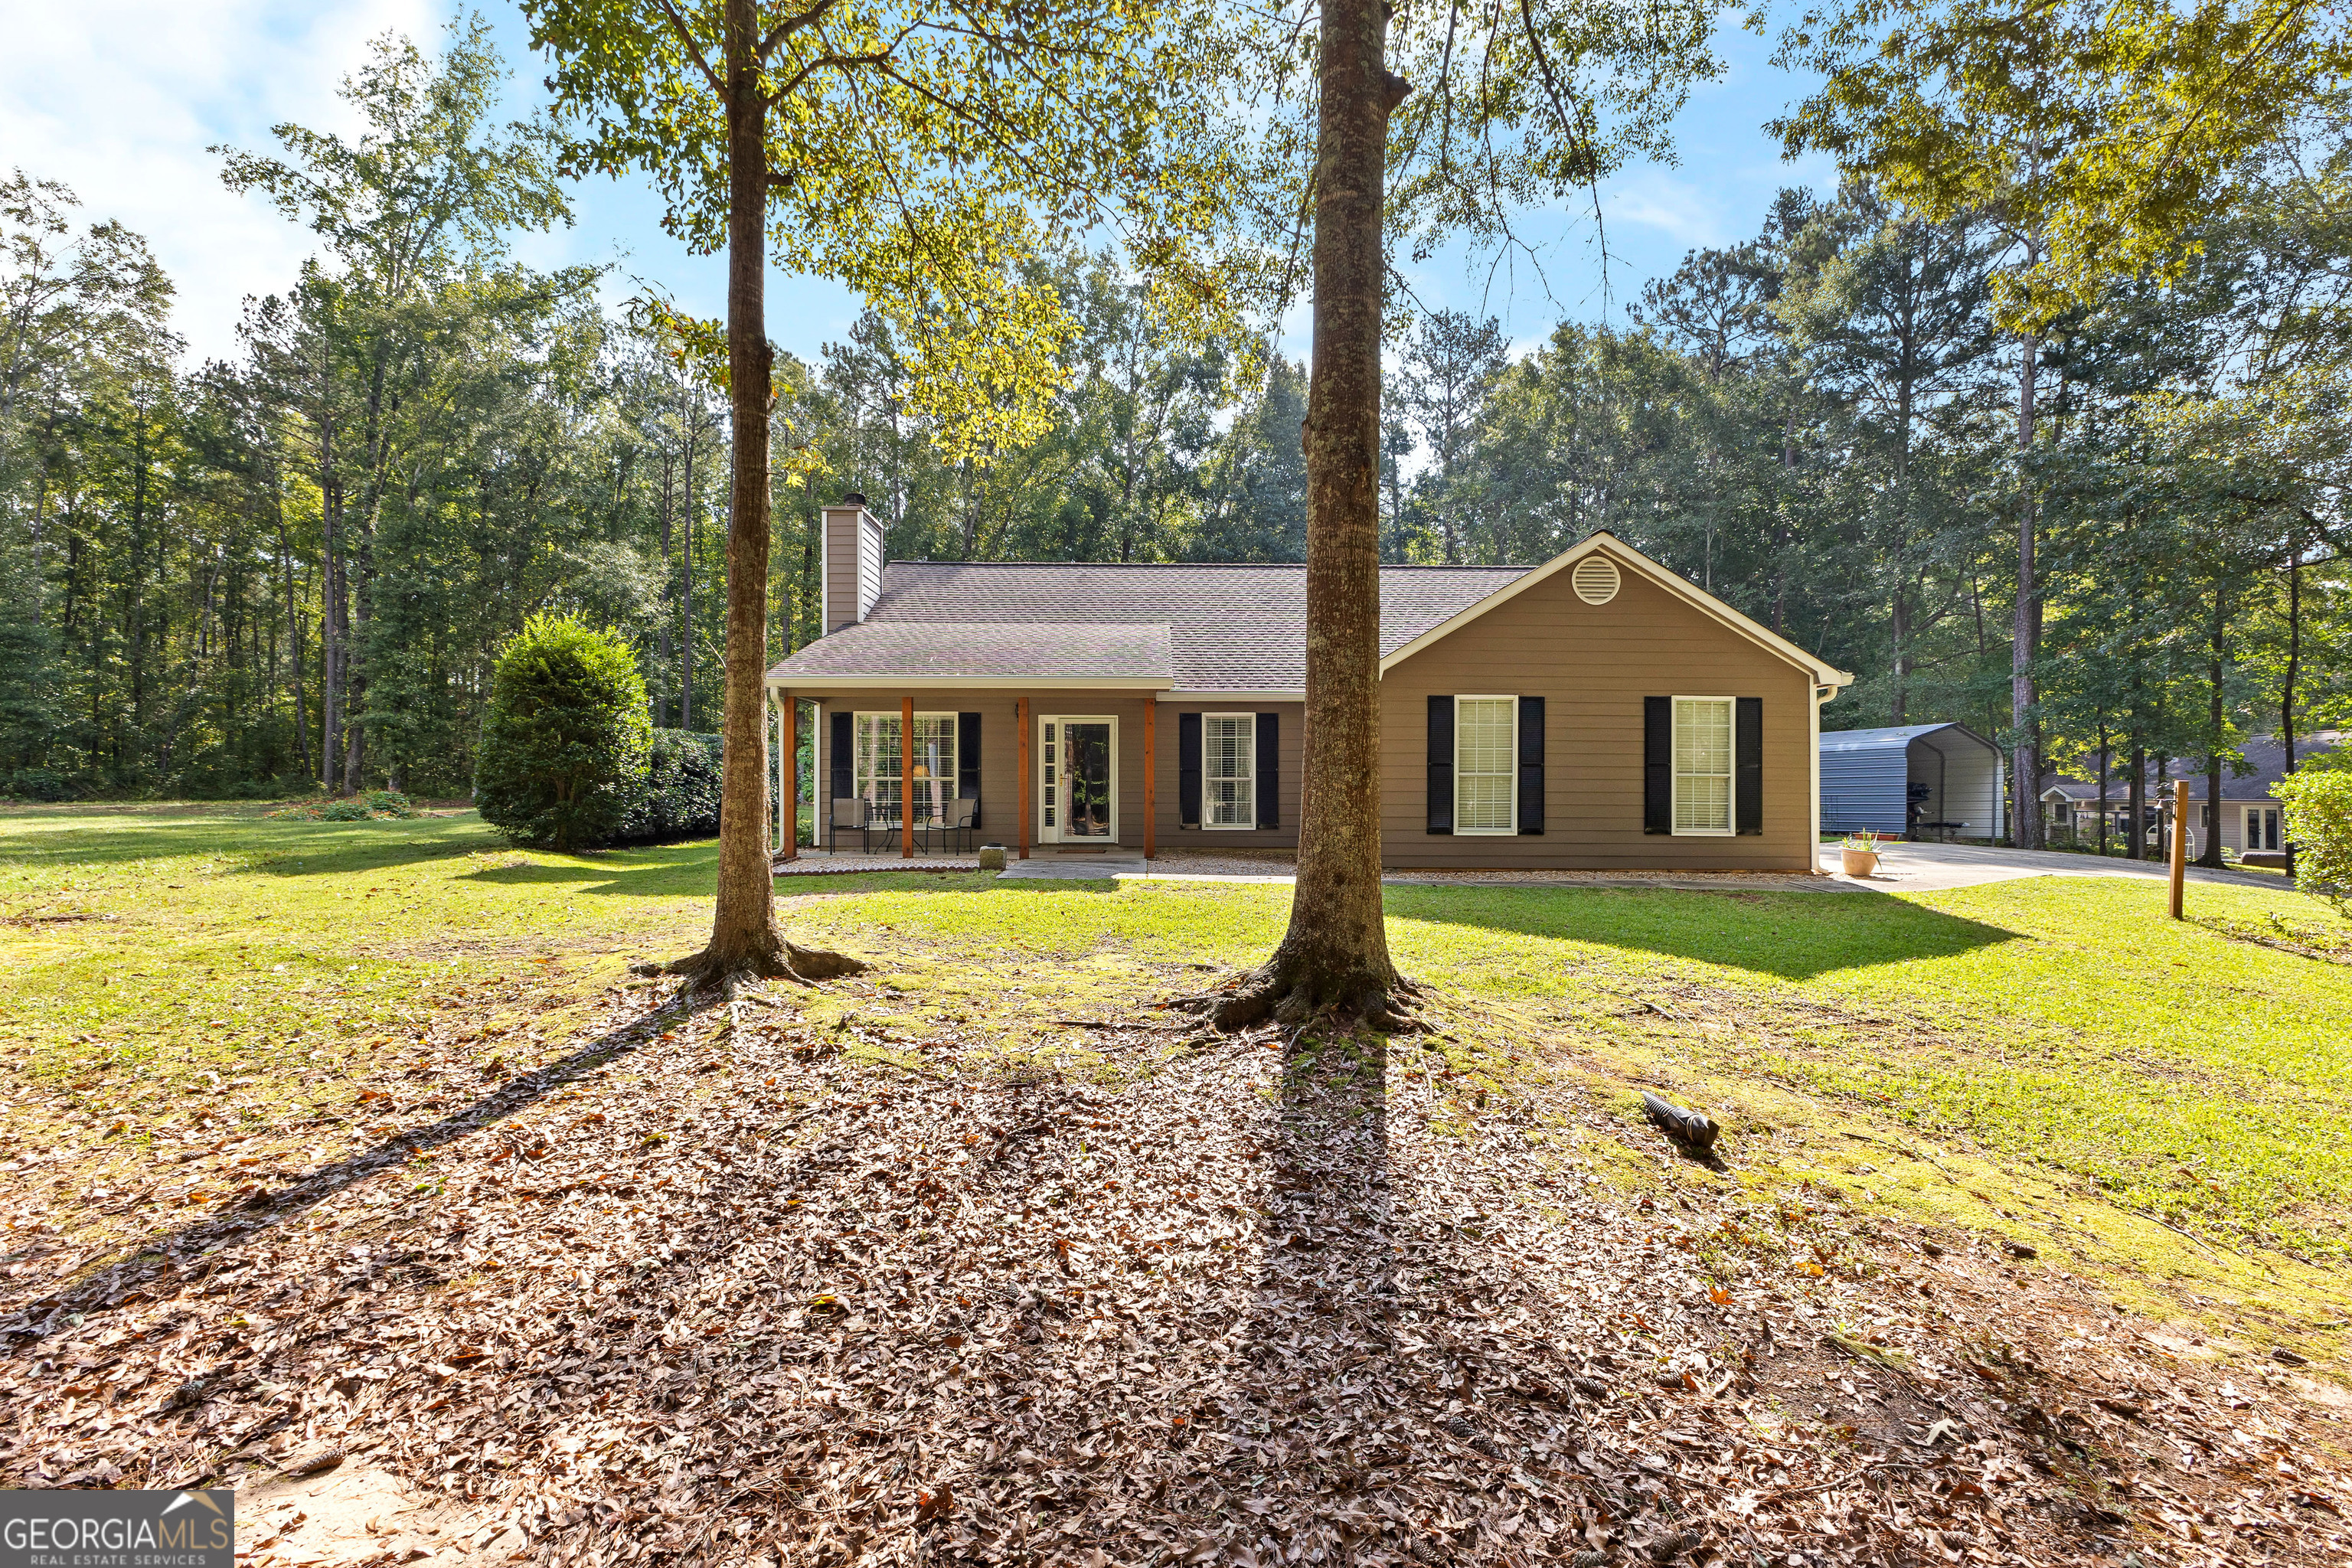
(934, 774)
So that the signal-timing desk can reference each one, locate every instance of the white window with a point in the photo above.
(1485, 764)
(1049, 774)
(879, 757)
(2262, 827)
(1703, 764)
(1229, 770)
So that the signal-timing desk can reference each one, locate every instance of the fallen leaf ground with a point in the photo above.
(985, 1259)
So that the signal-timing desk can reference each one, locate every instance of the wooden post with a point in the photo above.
(788, 774)
(2180, 841)
(1021, 807)
(1150, 771)
(907, 778)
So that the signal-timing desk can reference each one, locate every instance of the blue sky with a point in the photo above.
(120, 99)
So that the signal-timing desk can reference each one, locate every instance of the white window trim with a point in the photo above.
(1513, 775)
(1251, 825)
(1057, 834)
(898, 715)
(1675, 773)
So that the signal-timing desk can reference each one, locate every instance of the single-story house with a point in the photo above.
(1912, 781)
(2251, 821)
(1595, 710)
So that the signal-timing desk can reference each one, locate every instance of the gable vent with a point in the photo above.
(1596, 579)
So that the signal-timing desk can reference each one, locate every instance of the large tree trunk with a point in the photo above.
(2294, 667)
(2217, 720)
(1336, 951)
(2025, 727)
(744, 941)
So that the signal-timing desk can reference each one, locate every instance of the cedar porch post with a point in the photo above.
(788, 774)
(1022, 807)
(1150, 771)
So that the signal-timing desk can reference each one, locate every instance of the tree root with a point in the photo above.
(778, 959)
(1279, 991)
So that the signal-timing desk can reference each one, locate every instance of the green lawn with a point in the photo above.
(2052, 1057)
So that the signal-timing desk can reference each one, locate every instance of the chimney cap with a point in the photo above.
(855, 498)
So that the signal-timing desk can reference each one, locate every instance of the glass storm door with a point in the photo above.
(1077, 782)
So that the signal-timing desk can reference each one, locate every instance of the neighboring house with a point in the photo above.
(1913, 781)
(1596, 710)
(2250, 817)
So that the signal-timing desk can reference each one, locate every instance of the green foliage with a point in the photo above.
(2319, 825)
(345, 811)
(38, 784)
(680, 799)
(390, 803)
(2107, 139)
(976, 139)
(568, 739)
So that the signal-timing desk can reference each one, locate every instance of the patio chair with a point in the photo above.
(962, 813)
(850, 814)
(882, 820)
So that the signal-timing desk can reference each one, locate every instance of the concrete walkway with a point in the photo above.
(1928, 868)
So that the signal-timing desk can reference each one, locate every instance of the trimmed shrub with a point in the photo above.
(568, 738)
(681, 799)
(345, 811)
(2319, 825)
(390, 803)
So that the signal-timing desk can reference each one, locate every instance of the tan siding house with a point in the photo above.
(1593, 712)
(1596, 667)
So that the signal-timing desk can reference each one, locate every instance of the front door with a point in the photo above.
(1079, 782)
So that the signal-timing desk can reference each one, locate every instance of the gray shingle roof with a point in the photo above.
(1228, 628)
(983, 650)
(2263, 754)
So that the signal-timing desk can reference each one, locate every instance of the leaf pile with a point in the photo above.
(718, 1294)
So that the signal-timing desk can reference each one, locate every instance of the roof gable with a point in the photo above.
(1628, 559)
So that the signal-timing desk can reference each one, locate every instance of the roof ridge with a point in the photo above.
(1197, 565)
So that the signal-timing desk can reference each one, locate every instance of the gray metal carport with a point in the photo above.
(1936, 780)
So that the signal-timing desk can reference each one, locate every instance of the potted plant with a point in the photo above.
(1860, 854)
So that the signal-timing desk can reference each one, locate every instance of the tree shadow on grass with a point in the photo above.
(1792, 936)
(149, 1265)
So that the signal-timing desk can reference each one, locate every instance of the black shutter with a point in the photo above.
(1269, 770)
(1441, 764)
(1657, 765)
(1748, 765)
(1531, 758)
(1188, 770)
(844, 771)
(968, 761)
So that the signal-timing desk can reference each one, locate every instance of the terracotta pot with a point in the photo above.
(1859, 862)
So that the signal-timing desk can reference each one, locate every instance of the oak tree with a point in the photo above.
(917, 150)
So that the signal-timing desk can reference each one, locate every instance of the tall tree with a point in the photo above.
(917, 152)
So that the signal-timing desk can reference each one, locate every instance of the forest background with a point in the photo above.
(293, 570)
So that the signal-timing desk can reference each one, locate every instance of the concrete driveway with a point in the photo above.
(1925, 867)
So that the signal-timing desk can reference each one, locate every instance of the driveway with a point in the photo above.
(1925, 867)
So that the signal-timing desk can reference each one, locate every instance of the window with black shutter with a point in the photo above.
(968, 761)
(1441, 764)
(1531, 765)
(1188, 770)
(1269, 770)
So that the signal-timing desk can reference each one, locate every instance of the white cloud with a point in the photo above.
(119, 100)
(1654, 198)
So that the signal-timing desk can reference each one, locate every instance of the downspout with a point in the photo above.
(1821, 695)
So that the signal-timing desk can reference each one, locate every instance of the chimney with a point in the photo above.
(852, 566)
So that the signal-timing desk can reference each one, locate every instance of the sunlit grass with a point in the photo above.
(2050, 1052)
